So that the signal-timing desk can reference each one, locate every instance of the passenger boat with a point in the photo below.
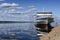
(43, 20)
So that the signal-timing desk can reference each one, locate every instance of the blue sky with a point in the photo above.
(37, 5)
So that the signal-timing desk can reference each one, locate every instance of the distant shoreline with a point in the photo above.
(16, 22)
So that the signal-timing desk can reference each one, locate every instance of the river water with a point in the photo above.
(18, 31)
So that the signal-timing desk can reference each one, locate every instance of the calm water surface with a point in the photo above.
(18, 31)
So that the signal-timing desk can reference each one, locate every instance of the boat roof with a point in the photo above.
(44, 12)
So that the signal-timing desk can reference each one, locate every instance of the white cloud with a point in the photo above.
(31, 6)
(10, 7)
(8, 4)
(25, 15)
(16, 7)
(30, 9)
(12, 11)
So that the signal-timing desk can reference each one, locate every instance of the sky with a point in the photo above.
(27, 6)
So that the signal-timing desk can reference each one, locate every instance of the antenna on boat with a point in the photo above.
(43, 9)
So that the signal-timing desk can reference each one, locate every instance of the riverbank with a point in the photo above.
(53, 35)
